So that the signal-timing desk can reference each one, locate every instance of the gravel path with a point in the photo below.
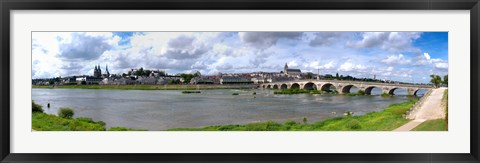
(431, 109)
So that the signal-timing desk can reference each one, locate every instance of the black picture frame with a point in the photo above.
(5, 83)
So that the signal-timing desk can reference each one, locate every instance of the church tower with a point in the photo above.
(95, 71)
(106, 69)
(99, 71)
(285, 69)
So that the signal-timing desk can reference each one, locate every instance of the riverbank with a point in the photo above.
(150, 87)
(390, 118)
(48, 122)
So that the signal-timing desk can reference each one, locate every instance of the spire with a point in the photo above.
(106, 69)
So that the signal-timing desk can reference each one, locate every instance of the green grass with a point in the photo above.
(358, 93)
(386, 120)
(148, 87)
(386, 95)
(432, 125)
(47, 122)
(124, 129)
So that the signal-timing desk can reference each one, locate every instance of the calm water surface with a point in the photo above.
(164, 109)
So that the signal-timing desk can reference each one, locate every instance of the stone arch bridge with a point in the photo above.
(344, 86)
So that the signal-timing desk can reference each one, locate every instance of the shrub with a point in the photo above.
(290, 123)
(386, 95)
(36, 107)
(65, 113)
(361, 92)
(353, 124)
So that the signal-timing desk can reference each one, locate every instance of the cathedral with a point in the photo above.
(97, 72)
(291, 72)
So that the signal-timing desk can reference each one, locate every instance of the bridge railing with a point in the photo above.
(410, 114)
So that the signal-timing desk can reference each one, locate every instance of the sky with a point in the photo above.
(400, 56)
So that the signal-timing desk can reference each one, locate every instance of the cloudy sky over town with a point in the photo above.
(401, 56)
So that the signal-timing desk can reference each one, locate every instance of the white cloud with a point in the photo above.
(349, 66)
(396, 59)
(391, 41)
(427, 56)
(441, 65)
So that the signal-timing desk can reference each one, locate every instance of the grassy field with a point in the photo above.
(432, 125)
(386, 120)
(47, 122)
(150, 87)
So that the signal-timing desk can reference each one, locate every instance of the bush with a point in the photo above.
(361, 92)
(65, 113)
(290, 123)
(354, 124)
(386, 95)
(36, 107)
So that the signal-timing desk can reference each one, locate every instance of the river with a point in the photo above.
(164, 109)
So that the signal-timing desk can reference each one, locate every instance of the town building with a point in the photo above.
(291, 72)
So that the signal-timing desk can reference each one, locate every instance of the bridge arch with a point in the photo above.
(420, 91)
(369, 89)
(346, 89)
(327, 87)
(398, 90)
(275, 86)
(310, 86)
(284, 86)
(295, 86)
(269, 86)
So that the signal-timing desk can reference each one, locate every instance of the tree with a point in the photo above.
(147, 72)
(445, 80)
(309, 75)
(186, 77)
(435, 80)
(140, 72)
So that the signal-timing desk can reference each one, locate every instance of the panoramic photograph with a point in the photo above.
(239, 81)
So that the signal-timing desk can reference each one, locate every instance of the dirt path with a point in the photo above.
(431, 109)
